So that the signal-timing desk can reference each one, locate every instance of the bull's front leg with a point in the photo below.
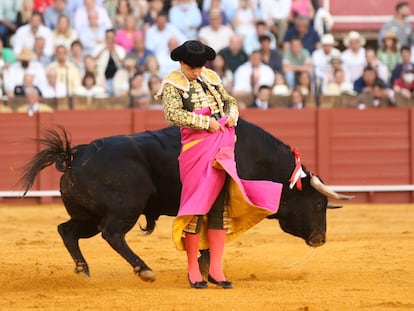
(73, 230)
(114, 233)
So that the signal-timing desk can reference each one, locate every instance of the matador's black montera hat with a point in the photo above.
(193, 53)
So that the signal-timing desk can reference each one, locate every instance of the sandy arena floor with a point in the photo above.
(367, 264)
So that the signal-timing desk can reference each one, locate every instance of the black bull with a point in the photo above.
(107, 184)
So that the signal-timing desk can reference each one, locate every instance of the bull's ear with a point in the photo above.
(330, 206)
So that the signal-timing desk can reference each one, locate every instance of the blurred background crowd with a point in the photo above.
(270, 53)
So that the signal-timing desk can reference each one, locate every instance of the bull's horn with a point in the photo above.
(325, 190)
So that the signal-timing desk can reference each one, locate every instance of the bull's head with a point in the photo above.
(303, 213)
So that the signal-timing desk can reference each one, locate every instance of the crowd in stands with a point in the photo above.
(265, 49)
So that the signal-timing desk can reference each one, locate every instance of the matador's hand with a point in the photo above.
(230, 122)
(214, 126)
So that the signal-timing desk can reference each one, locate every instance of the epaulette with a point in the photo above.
(210, 76)
(177, 79)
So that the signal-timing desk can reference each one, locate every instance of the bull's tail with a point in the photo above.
(57, 150)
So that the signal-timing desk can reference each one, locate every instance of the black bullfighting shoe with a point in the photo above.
(198, 285)
(225, 284)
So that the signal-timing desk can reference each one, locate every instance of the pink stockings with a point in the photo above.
(216, 238)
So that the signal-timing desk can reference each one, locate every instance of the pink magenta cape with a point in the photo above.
(204, 161)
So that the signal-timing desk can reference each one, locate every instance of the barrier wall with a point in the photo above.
(343, 146)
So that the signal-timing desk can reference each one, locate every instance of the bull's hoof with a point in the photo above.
(146, 275)
(82, 269)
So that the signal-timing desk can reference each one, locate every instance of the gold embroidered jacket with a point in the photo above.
(181, 96)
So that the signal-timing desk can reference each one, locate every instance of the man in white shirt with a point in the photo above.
(252, 74)
(26, 35)
(15, 73)
(216, 34)
(186, 16)
(158, 35)
(322, 56)
(81, 16)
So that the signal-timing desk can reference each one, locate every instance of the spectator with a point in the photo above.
(137, 85)
(406, 63)
(6, 56)
(92, 34)
(139, 10)
(125, 36)
(404, 85)
(338, 85)
(305, 83)
(226, 6)
(123, 10)
(276, 15)
(353, 57)
(154, 84)
(262, 98)
(367, 80)
(16, 71)
(8, 14)
(245, 17)
(33, 104)
(39, 50)
(157, 36)
(399, 24)
(151, 67)
(64, 34)
(89, 88)
(252, 43)
(54, 88)
(303, 30)
(377, 97)
(25, 12)
(76, 56)
(249, 76)
(336, 65)
(220, 67)
(74, 5)
(109, 57)
(28, 82)
(215, 5)
(155, 7)
(25, 35)
(389, 53)
(297, 100)
(140, 52)
(271, 57)
(295, 60)
(81, 18)
(234, 54)
(280, 87)
(302, 8)
(186, 16)
(67, 73)
(123, 76)
(166, 64)
(380, 68)
(92, 67)
(322, 56)
(216, 35)
(52, 13)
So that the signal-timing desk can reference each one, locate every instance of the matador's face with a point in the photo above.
(192, 73)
